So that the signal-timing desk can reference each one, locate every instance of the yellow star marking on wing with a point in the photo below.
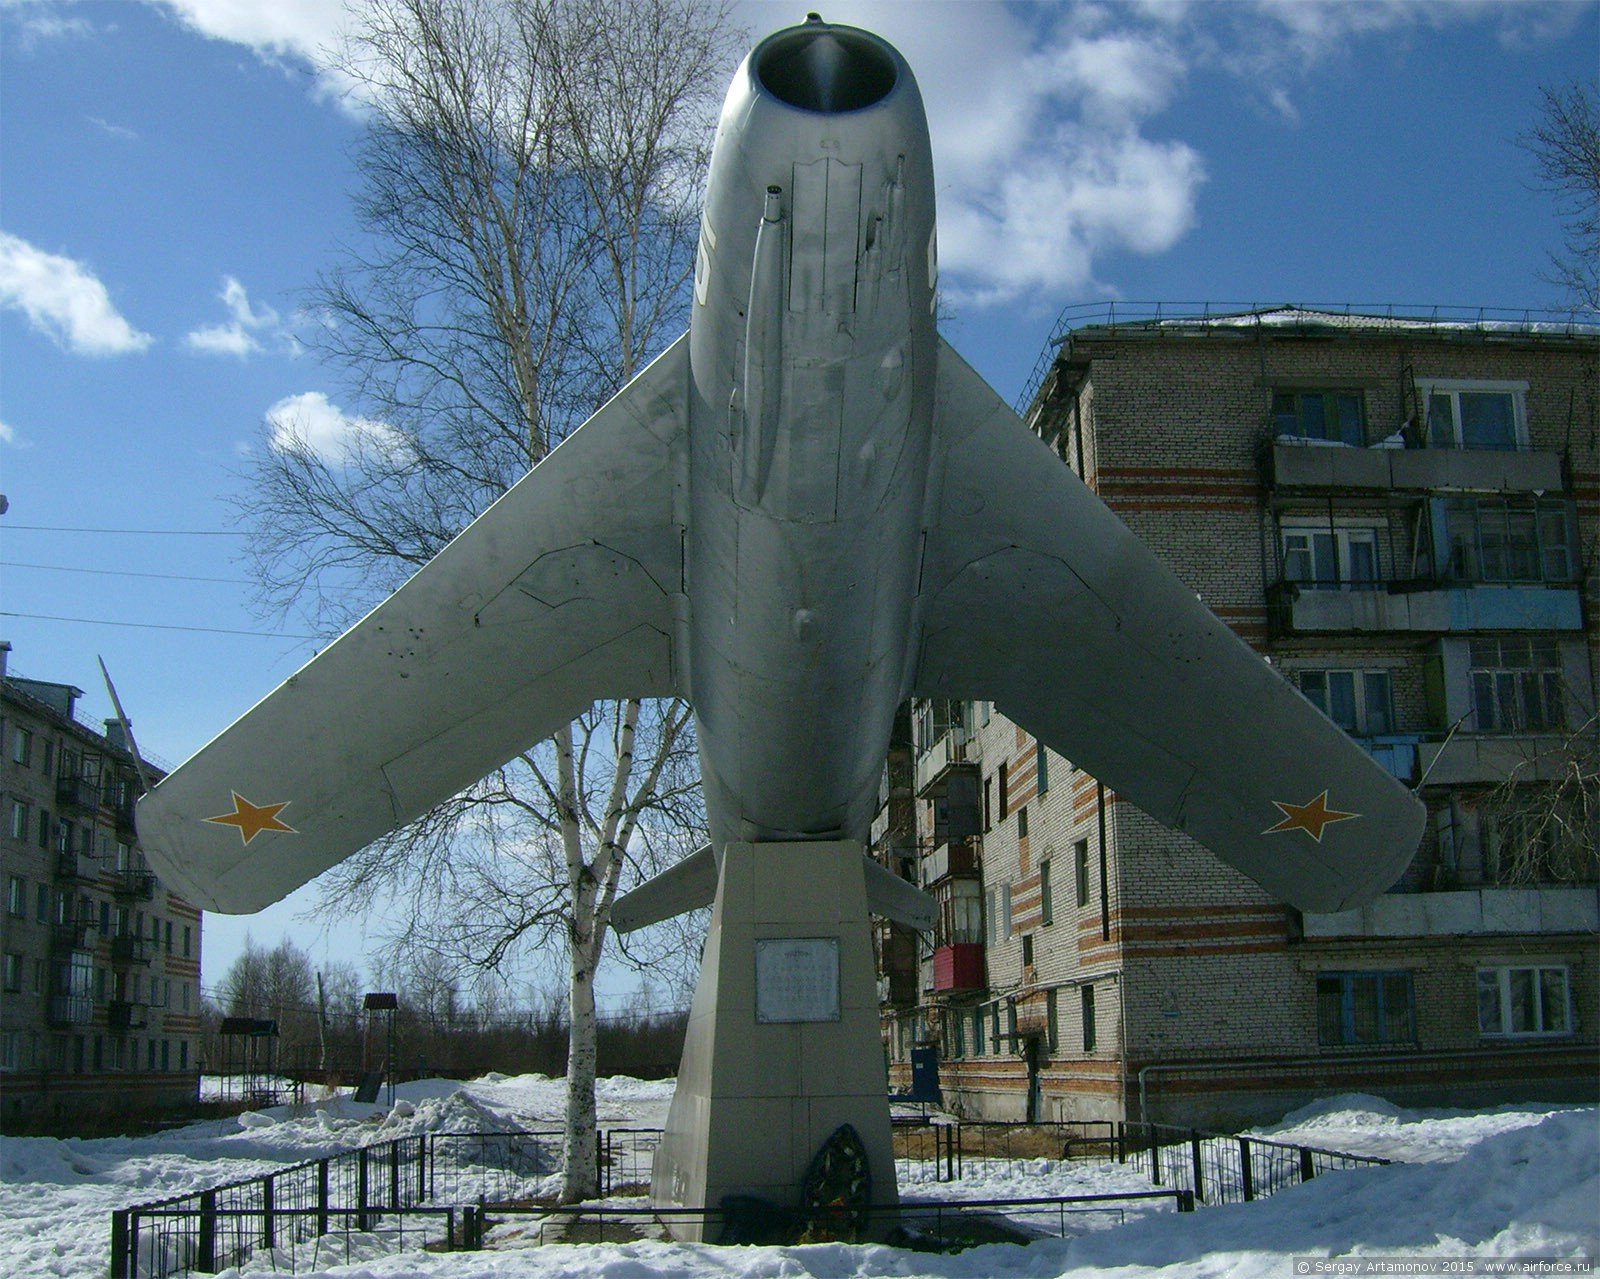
(1313, 818)
(252, 819)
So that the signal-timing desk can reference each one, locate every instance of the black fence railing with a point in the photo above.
(433, 1190)
(933, 1150)
(932, 1222)
(1221, 1169)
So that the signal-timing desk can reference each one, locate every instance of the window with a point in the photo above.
(16, 896)
(186, 941)
(1523, 1001)
(1320, 415)
(1476, 415)
(1047, 909)
(41, 904)
(63, 836)
(1365, 1008)
(1360, 702)
(1517, 685)
(1536, 841)
(1080, 852)
(22, 747)
(1022, 822)
(977, 1032)
(1331, 558)
(1027, 950)
(9, 1040)
(1502, 540)
(13, 972)
(183, 1054)
(19, 819)
(1052, 1019)
(1087, 994)
(44, 828)
(1006, 927)
(994, 1027)
(991, 917)
(1043, 766)
(1004, 793)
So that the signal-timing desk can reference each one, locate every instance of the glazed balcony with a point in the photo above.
(953, 751)
(1301, 609)
(124, 1014)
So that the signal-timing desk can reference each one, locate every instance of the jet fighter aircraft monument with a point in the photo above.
(818, 510)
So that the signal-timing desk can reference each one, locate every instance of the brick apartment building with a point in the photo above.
(1403, 517)
(99, 963)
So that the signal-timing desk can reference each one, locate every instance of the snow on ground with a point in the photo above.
(1515, 1181)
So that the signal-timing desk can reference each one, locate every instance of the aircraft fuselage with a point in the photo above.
(812, 356)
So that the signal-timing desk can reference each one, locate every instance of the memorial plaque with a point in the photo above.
(797, 979)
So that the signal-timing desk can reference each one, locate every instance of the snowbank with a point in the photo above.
(1514, 1181)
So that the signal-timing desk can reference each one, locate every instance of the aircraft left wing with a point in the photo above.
(566, 590)
(1034, 595)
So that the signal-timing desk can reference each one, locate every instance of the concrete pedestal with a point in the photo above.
(774, 1061)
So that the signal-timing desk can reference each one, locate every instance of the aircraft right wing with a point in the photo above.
(1035, 596)
(567, 590)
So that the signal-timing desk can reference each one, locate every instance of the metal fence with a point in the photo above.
(409, 1192)
(433, 1189)
(1221, 1169)
(940, 1150)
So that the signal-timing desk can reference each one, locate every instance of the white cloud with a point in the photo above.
(239, 336)
(285, 28)
(119, 131)
(63, 298)
(310, 422)
(7, 435)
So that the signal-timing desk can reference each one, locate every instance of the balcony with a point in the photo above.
(958, 967)
(1465, 913)
(1302, 611)
(78, 792)
(1324, 466)
(129, 949)
(71, 1010)
(944, 859)
(137, 885)
(73, 935)
(953, 751)
(1466, 759)
(124, 1014)
(79, 867)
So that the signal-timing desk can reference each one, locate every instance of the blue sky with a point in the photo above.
(174, 174)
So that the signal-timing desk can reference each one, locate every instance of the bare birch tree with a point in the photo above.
(531, 176)
(1566, 145)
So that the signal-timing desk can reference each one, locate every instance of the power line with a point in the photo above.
(158, 626)
(115, 572)
(128, 532)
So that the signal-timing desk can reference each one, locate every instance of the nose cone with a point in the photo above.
(826, 69)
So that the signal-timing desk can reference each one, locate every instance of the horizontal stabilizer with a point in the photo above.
(690, 885)
(898, 899)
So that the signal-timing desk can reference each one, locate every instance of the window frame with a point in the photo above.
(1350, 982)
(1502, 686)
(1343, 537)
(1330, 398)
(1454, 388)
(1361, 696)
(1506, 1001)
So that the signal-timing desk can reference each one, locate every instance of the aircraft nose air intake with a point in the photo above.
(817, 68)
